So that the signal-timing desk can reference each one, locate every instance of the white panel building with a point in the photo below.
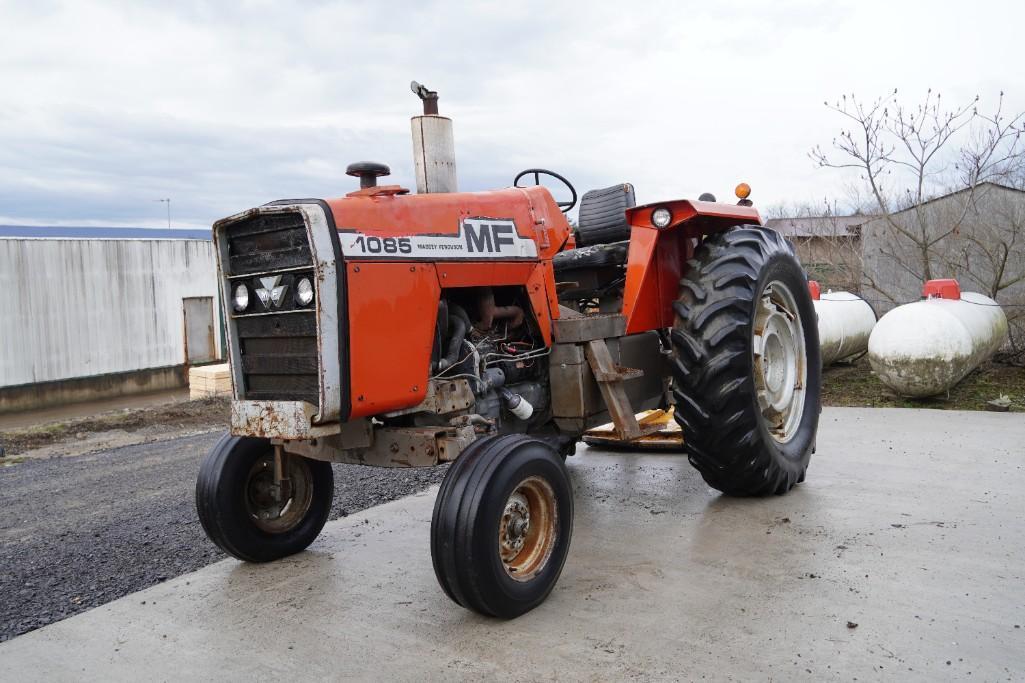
(90, 318)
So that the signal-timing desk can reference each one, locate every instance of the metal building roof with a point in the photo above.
(87, 232)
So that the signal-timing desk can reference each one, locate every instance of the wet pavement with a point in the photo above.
(901, 557)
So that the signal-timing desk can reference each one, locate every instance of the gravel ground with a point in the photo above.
(79, 532)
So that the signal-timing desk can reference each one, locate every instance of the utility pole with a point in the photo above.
(168, 202)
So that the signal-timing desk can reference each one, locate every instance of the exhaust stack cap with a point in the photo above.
(434, 147)
(368, 172)
(429, 98)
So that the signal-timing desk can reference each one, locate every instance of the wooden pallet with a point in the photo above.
(667, 437)
(209, 380)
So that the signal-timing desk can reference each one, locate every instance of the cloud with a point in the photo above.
(220, 106)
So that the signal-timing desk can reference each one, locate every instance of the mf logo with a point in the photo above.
(271, 292)
(488, 237)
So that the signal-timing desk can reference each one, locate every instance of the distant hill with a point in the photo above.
(72, 232)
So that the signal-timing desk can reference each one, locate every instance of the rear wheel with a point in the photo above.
(247, 514)
(502, 525)
(746, 369)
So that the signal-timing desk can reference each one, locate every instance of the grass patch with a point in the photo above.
(855, 385)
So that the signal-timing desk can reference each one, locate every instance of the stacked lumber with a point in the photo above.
(209, 380)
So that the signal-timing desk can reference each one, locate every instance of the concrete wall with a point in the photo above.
(986, 253)
(835, 262)
(83, 389)
(77, 308)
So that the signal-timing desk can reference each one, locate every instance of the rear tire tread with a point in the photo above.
(712, 367)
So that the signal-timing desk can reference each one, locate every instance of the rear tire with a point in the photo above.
(239, 514)
(502, 525)
(746, 370)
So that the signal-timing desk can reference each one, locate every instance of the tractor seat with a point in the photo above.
(597, 256)
(602, 217)
(602, 234)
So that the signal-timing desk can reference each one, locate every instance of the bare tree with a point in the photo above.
(990, 257)
(907, 155)
(827, 239)
(991, 254)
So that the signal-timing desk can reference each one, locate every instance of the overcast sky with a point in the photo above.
(105, 107)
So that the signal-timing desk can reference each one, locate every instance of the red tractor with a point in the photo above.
(480, 328)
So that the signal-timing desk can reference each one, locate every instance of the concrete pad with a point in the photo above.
(909, 525)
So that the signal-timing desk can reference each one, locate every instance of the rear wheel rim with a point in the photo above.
(272, 513)
(780, 361)
(529, 529)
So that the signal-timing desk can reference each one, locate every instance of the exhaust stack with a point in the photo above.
(434, 147)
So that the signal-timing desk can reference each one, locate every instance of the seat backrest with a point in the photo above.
(602, 217)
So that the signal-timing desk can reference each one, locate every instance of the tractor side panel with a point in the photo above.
(551, 289)
(483, 273)
(654, 267)
(541, 291)
(640, 292)
(393, 308)
(658, 257)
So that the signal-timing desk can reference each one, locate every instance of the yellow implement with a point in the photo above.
(667, 436)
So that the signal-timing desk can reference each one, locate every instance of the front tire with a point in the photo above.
(502, 525)
(746, 371)
(238, 507)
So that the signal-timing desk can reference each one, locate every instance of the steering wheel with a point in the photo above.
(536, 172)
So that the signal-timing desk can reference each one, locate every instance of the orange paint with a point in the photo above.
(393, 299)
(393, 308)
(537, 291)
(658, 256)
(394, 215)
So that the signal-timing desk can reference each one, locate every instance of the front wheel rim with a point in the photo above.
(780, 361)
(271, 511)
(528, 529)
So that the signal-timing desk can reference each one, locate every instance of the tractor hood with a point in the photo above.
(386, 222)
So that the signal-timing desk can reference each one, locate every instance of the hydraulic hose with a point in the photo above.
(459, 322)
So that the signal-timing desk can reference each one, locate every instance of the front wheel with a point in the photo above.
(746, 372)
(248, 513)
(502, 525)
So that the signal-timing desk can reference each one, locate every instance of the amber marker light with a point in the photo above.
(743, 191)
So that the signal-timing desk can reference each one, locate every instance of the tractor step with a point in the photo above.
(610, 382)
(588, 381)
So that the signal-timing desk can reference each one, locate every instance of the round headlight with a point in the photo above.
(241, 298)
(661, 217)
(304, 292)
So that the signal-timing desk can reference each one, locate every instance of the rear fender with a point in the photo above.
(658, 256)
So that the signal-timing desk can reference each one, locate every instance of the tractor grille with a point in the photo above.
(277, 339)
(268, 242)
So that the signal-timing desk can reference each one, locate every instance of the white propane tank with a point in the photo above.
(924, 348)
(845, 323)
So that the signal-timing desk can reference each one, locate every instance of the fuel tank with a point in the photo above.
(926, 347)
(845, 323)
